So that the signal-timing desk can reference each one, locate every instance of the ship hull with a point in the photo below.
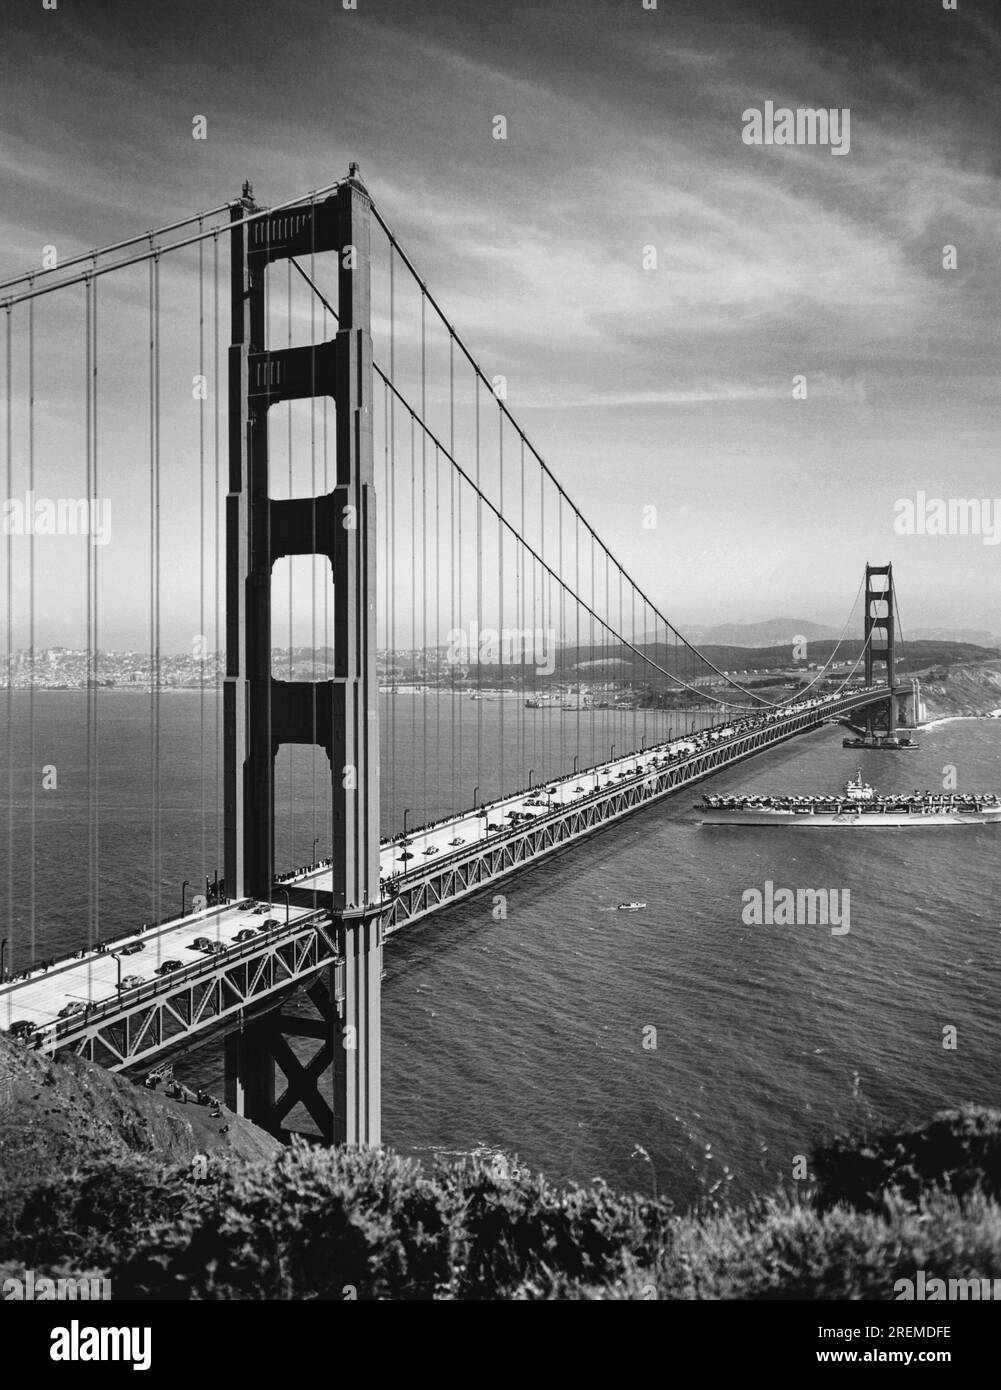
(876, 820)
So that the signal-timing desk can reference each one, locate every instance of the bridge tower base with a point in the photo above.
(328, 1063)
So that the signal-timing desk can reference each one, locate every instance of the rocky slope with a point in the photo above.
(966, 689)
(54, 1113)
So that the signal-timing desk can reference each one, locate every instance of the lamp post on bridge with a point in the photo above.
(118, 961)
(531, 774)
(316, 841)
(283, 892)
(405, 814)
(576, 760)
(476, 792)
(184, 890)
(3, 955)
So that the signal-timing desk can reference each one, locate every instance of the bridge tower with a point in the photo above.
(881, 719)
(341, 715)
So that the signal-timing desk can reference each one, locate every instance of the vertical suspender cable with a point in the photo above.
(157, 629)
(9, 632)
(217, 666)
(543, 589)
(520, 582)
(413, 617)
(558, 642)
(437, 633)
(154, 582)
(201, 548)
(458, 647)
(88, 285)
(536, 572)
(291, 644)
(500, 589)
(576, 589)
(95, 819)
(315, 563)
(388, 763)
(32, 831)
(424, 562)
(479, 600)
(392, 524)
(424, 629)
(461, 610)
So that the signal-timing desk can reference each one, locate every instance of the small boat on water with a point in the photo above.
(859, 804)
(629, 907)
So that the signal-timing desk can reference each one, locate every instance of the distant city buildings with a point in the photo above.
(608, 679)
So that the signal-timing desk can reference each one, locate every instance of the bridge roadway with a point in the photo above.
(77, 1002)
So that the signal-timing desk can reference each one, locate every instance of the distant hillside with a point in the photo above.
(978, 636)
(912, 655)
(775, 632)
(778, 632)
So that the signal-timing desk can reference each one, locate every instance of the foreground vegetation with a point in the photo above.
(315, 1224)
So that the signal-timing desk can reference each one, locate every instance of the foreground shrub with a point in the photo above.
(959, 1150)
(336, 1224)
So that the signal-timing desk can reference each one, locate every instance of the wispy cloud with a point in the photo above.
(624, 133)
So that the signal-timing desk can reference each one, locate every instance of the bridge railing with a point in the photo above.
(149, 990)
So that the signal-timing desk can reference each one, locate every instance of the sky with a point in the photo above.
(670, 387)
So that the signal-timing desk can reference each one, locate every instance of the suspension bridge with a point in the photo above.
(470, 682)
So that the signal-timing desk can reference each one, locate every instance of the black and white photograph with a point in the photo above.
(501, 681)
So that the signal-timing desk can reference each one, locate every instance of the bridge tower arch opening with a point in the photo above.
(879, 635)
(340, 714)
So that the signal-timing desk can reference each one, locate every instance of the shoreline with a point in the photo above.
(952, 719)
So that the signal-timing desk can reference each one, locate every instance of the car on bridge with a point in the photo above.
(132, 981)
(200, 943)
(168, 967)
(75, 1006)
(268, 923)
(245, 934)
(132, 948)
(21, 1028)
